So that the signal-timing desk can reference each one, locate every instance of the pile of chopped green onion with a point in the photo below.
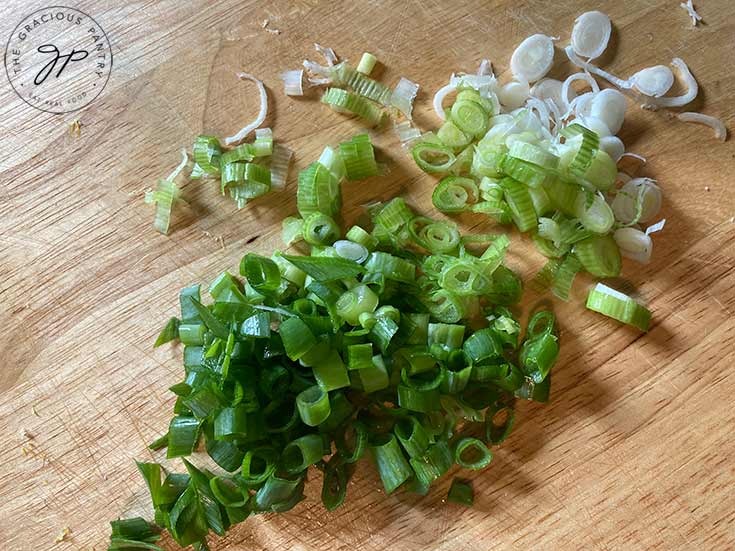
(395, 344)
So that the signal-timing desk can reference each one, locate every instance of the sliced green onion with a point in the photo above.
(375, 377)
(520, 204)
(334, 487)
(455, 194)
(436, 460)
(433, 157)
(302, 452)
(533, 154)
(358, 235)
(359, 436)
(564, 277)
(258, 464)
(318, 191)
(470, 117)
(394, 214)
(320, 229)
(360, 356)
(358, 157)
(619, 306)
(451, 135)
(169, 332)
(461, 492)
(183, 435)
(526, 173)
(207, 152)
(164, 196)
(392, 466)
(325, 269)
(464, 456)
(423, 401)
(313, 405)
(331, 373)
(595, 214)
(276, 490)
(412, 436)
(262, 273)
(292, 230)
(297, 337)
(496, 432)
(351, 250)
(361, 84)
(367, 63)
(346, 102)
(356, 301)
(392, 267)
(600, 256)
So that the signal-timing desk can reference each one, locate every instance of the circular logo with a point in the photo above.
(58, 59)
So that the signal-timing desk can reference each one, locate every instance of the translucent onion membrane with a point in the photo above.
(327, 53)
(634, 244)
(715, 124)
(293, 82)
(639, 200)
(403, 96)
(406, 132)
(553, 90)
(568, 94)
(533, 58)
(689, 7)
(259, 119)
(590, 34)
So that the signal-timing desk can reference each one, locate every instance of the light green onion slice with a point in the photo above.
(619, 306)
(599, 255)
(364, 86)
(358, 157)
(455, 194)
(346, 102)
(433, 157)
(320, 229)
(333, 162)
(533, 154)
(367, 63)
(469, 116)
(207, 152)
(356, 301)
(318, 191)
(351, 250)
(564, 277)
(521, 206)
(594, 212)
(292, 230)
(313, 405)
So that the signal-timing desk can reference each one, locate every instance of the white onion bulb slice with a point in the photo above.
(653, 81)
(533, 58)
(590, 34)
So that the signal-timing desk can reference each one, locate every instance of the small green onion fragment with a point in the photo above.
(461, 492)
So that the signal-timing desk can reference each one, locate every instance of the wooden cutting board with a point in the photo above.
(635, 450)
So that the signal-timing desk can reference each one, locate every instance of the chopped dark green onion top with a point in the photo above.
(385, 343)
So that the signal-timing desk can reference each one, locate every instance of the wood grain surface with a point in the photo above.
(635, 450)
